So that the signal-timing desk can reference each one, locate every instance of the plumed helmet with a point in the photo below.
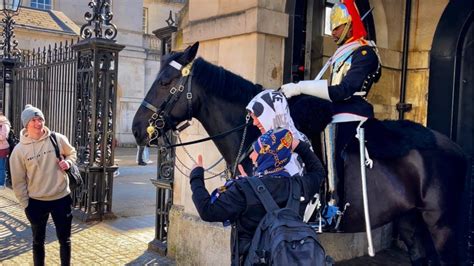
(339, 16)
(347, 13)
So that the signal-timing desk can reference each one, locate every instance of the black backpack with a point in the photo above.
(282, 238)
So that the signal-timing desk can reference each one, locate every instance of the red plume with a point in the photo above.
(358, 29)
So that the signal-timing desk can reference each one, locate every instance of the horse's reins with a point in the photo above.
(239, 158)
(220, 135)
(160, 115)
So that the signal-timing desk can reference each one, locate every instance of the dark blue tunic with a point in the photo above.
(365, 63)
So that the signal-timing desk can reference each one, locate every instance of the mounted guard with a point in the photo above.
(354, 67)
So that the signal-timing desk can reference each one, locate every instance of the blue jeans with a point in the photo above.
(143, 154)
(2, 171)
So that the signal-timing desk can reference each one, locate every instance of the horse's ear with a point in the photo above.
(190, 52)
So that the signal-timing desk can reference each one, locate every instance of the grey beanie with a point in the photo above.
(30, 112)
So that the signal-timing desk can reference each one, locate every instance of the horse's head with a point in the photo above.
(168, 101)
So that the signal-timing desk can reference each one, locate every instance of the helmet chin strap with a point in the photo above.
(344, 34)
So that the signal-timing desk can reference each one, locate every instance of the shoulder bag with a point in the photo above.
(73, 173)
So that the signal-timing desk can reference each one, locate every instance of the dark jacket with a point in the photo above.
(240, 204)
(364, 64)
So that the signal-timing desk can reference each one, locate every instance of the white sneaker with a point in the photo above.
(149, 162)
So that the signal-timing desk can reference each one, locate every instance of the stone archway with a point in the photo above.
(447, 61)
(450, 99)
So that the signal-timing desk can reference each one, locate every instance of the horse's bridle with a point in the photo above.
(161, 114)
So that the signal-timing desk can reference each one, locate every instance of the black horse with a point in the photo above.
(425, 179)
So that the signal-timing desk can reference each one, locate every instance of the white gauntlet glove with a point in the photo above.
(317, 88)
(290, 89)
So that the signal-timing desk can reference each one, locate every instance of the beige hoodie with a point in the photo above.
(35, 170)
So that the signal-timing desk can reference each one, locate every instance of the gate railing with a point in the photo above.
(46, 78)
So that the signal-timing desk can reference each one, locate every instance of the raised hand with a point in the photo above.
(242, 170)
(198, 162)
(295, 144)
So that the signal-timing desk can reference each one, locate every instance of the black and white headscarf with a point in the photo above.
(271, 108)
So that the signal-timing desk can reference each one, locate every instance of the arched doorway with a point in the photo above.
(450, 102)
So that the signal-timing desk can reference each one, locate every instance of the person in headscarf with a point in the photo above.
(237, 201)
(269, 110)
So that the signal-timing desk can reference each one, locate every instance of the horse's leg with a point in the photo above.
(443, 235)
(442, 200)
(440, 215)
(412, 231)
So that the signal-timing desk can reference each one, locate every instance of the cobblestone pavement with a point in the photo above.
(122, 241)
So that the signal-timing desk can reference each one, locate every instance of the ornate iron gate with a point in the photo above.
(75, 86)
(46, 78)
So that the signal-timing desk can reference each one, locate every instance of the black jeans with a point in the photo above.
(37, 213)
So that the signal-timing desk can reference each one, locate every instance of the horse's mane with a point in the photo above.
(223, 83)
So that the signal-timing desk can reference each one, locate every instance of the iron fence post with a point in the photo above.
(8, 64)
(10, 54)
(96, 103)
(97, 69)
(164, 195)
(165, 163)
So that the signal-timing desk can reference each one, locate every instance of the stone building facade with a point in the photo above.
(43, 23)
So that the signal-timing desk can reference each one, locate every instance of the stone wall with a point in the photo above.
(389, 17)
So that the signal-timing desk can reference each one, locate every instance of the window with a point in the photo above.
(145, 20)
(41, 4)
(327, 18)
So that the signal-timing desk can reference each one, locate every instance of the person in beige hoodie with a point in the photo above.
(40, 182)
